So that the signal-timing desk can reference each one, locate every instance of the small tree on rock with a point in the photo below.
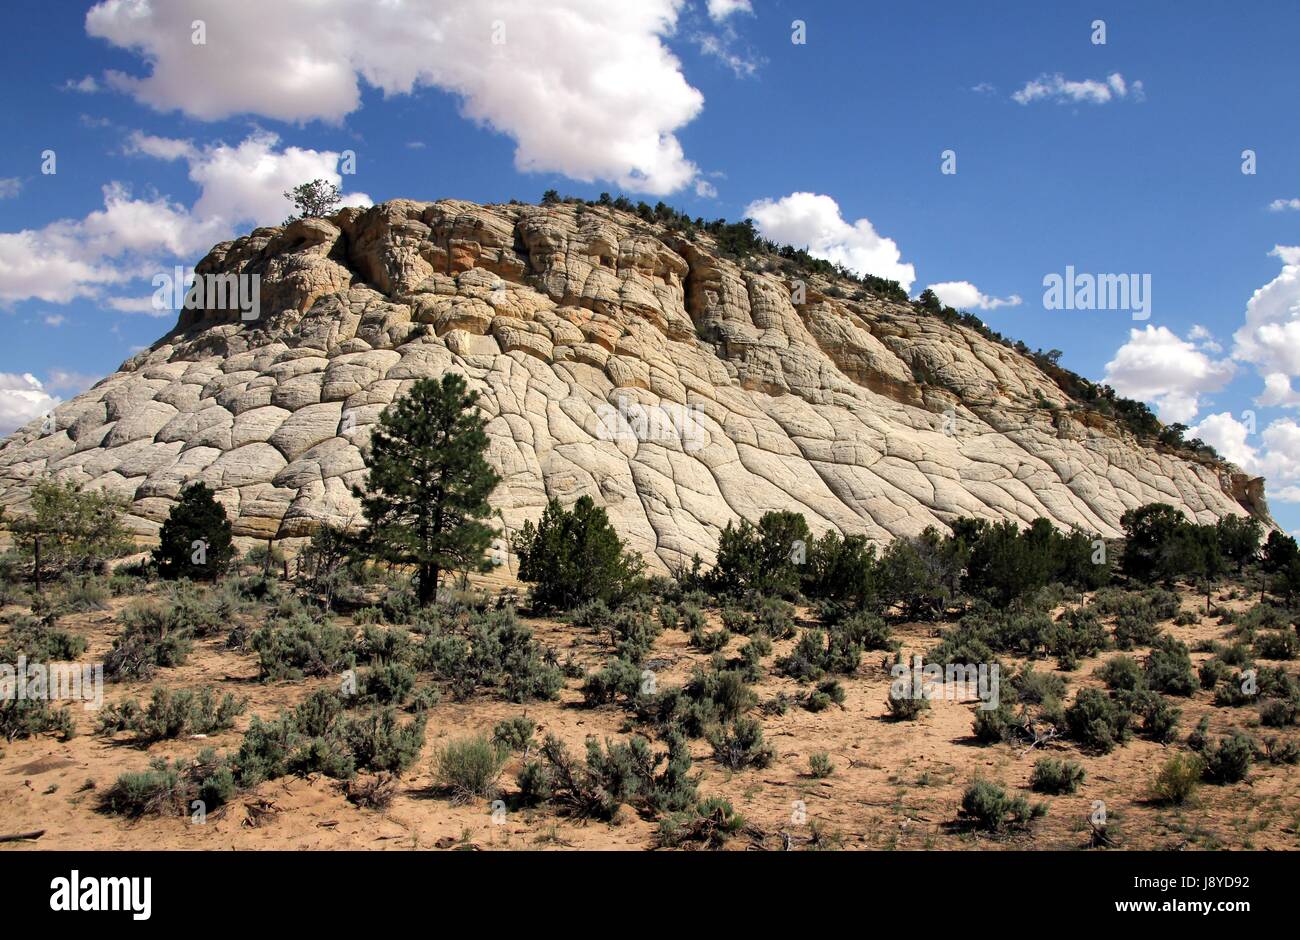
(429, 484)
(195, 541)
(70, 529)
(314, 200)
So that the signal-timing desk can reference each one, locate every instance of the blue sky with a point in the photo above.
(1122, 157)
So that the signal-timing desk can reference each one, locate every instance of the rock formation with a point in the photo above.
(615, 358)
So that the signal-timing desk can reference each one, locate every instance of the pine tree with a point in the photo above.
(574, 556)
(429, 484)
(195, 540)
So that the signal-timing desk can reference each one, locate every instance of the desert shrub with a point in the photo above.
(1229, 760)
(574, 556)
(151, 638)
(1159, 717)
(986, 806)
(1279, 712)
(993, 725)
(514, 734)
(173, 714)
(1277, 644)
(818, 653)
(1212, 671)
(28, 717)
(593, 615)
(669, 616)
(200, 613)
(1153, 604)
(497, 652)
(372, 791)
(618, 773)
(469, 768)
(167, 789)
(195, 541)
(709, 641)
(709, 823)
(820, 766)
(866, 631)
(1177, 779)
(1281, 752)
(1098, 722)
(774, 617)
(299, 646)
(1077, 633)
(39, 640)
(388, 683)
(828, 692)
(318, 737)
(618, 678)
(1131, 631)
(904, 706)
(1056, 776)
(1122, 673)
(1169, 668)
(384, 645)
(922, 575)
(709, 698)
(751, 657)
(739, 744)
(1187, 618)
(81, 593)
(1263, 617)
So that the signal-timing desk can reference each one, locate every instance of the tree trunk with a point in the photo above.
(428, 586)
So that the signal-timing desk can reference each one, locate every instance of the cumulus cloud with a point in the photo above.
(567, 80)
(239, 184)
(963, 295)
(814, 222)
(1277, 460)
(1270, 337)
(1281, 205)
(1157, 366)
(22, 399)
(719, 10)
(1062, 90)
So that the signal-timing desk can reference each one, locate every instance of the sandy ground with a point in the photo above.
(896, 785)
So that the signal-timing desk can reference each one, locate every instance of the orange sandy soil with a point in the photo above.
(896, 785)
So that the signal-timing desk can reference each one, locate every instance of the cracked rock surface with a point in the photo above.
(678, 388)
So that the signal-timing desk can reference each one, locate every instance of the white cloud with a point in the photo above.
(966, 296)
(74, 383)
(10, 186)
(814, 222)
(1279, 205)
(1278, 460)
(241, 184)
(719, 10)
(705, 190)
(1278, 392)
(1157, 366)
(1064, 91)
(22, 398)
(1270, 337)
(722, 48)
(984, 88)
(87, 85)
(55, 319)
(569, 84)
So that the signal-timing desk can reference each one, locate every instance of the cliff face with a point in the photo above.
(616, 359)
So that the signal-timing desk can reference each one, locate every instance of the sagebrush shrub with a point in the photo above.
(171, 788)
(1056, 776)
(619, 773)
(710, 822)
(299, 646)
(740, 744)
(28, 717)
(151, 639)
(470, 767)
(1098, 722)
(820, 766)
(986, 806)
(1169, 668)
(171, 714)
(1229, 760)
(514, 734)
(40, 640)
(1177, 779)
